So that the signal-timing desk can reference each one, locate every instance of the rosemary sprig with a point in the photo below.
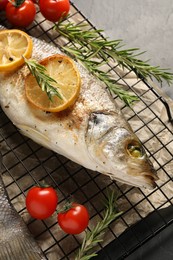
(93, 66)
(95, 235)
(92, 45)
(43, 79)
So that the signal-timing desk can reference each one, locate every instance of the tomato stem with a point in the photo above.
(16, 3)
(43, 184)
(66, 207)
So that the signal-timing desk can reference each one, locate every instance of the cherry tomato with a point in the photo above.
(3, 4)
(21, 16)
(75, 220)
(41, 202)
(53, 10)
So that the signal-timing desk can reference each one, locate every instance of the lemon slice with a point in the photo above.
(68, 82)
(14, 44)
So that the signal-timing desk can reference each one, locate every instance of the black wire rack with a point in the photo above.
(26, 163)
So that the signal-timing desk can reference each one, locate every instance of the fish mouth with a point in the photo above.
(150, 178)
(146, 177)
(145, 180)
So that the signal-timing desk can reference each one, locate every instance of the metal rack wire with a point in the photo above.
(26, 163)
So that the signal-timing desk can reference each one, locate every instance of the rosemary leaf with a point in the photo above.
(90, 44)
(95, 235)
(44, 80)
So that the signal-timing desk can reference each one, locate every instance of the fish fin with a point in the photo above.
(21, 248)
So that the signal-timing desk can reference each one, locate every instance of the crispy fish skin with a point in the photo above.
(15, 242)
(93, 132)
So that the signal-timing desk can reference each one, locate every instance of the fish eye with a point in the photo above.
(135, 149)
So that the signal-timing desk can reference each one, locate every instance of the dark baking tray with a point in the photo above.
(149, 239)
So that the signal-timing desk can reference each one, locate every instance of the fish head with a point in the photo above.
(117, 151)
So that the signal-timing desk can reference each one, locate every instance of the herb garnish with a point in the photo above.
(43, 79)
(88, 45)
(95, 235)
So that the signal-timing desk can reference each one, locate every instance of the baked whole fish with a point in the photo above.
(16, 242)
(92, 133)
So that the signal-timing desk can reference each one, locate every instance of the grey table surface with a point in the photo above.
(147, 25)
